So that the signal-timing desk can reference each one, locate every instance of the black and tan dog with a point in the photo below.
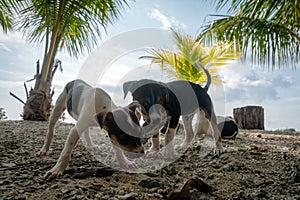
(90, 107)
(178, 98)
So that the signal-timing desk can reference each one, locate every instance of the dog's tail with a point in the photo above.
(208, 82)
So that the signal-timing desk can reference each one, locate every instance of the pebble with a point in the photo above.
(9, 165)
(149, 183)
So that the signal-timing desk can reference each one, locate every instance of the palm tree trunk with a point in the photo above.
(37, 106)
(38, 103)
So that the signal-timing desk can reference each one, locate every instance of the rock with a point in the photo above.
(297, 176)
(149, 183)
(8, 165)
(104, 172)
(129, 196)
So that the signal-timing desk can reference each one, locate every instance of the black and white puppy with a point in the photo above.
(178, 98)
(228, 127)
(87, 105)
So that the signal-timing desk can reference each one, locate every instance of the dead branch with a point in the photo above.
(26, 91)
(17, 97)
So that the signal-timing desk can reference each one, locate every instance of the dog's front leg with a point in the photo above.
(122, 160)
(154, 146)
(169, 143)
(218, 141)
(65, 155)
(89, 143)
(188, 130)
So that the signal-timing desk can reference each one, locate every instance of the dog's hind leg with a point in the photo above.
(58, 109)
(217, 136)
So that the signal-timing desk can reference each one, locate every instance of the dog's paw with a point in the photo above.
(44, 151)
(218, 151)
(131, 165)
(169, 155)
(55, 172)
(128, 164)
(93, 148)
(151, 154)
(182, 147)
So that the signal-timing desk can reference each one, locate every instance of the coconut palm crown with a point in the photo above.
(181, 62)
(267, 31)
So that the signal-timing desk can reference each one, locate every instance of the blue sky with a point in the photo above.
(277, 91)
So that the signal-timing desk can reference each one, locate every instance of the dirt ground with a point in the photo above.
(255, 165)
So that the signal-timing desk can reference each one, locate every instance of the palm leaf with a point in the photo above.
(269, 30)
(182, 63)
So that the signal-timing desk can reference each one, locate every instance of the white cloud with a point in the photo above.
(167, 22)
(156, 14)
(4, 47)
(11, 84)
(294, 99)
(243, 83)
(12, 37)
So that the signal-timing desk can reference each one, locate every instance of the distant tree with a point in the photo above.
(2, 114)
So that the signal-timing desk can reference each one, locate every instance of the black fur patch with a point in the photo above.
(74, 92)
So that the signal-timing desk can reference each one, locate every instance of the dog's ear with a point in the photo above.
(128, 87)
(103, 118)
(137, 108)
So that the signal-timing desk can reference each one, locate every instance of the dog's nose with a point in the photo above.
(141, 152)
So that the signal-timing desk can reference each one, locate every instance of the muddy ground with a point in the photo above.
(255, 165)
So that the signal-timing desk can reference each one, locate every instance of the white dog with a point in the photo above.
(87, 105)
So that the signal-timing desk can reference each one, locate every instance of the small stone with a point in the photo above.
(297, 177)
(9, 165)
(131, 195)
(149, 183)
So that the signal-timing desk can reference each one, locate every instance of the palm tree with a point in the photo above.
(270, 29)
(6, 14)
(181, 64)
(71, 24)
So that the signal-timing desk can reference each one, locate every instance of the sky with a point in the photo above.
(277, 91)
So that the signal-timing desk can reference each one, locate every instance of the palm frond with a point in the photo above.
(80, 26)
(181, 62)
(269, 30)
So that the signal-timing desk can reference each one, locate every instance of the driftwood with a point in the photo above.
(249, 117)
(194, 183)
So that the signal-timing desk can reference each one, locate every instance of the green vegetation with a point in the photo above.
(181, 63)
(73, 25)
(2, 114)
(268, 30)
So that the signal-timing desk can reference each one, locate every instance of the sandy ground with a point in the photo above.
(255, 165)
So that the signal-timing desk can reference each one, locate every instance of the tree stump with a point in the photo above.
(249, 117)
